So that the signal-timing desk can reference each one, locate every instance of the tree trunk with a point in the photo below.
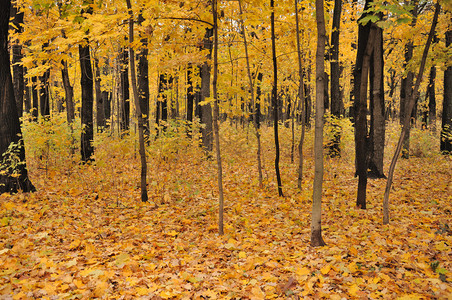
(143, 80)
(316, 216)
(406, 123)
(366, 36)
(69, 92)
(144, 193)
(34, 93)
(253, 102)
(431, 121)
(206, 110)
(27, 94)
(377, 109)
(13, 168)
(100, 110)
(301, 96)
(190, 94)
(337, 106)
(18, 69)
(86, 82)
(216, 111)
(275, 102)
(446, 124)
(44, 103)
(406, 89)
(125, 95)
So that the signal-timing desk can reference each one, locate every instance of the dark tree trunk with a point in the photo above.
(34, 93)
(125, 95)
(361, 73)
(100, 110)
(162, 101)
(18, 69)
(257, 113)
(406, 88)
(275, 102)
(143, 80)
(190, 95)
(69, 92)
(446, 124)
(432, 100)
(27, 94)
(13, 165)
(44, 95)
(377, 109)
(86, 82)
(206, 110)
(337, 106)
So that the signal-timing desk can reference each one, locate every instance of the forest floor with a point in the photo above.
(85, 234)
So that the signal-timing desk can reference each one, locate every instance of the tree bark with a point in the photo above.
(216, 113)
(406, 123)
(143, 80)
(100, 110)
(316, 215)
(144, 193)
(253, 102)
(34, 93)
(13, 170)
(125, 94)
(446, 124)
(432, 100)
(275, 102)
(69, 92)
(301, 96)
(18, 69)
(44, 103)
(406, 88)
(377, 109)
(337, 106)
(206, 110)
(86, 82)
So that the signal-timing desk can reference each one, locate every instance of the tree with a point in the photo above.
(406, 124)
(253, 100)
(16, 47)
(216, 113)
(13, 167)
(377, 109)
(366, 37)
(144, 193)
(206, 109)
(275, 106)
(100, 110)
(337, 106)
(86, 82)
(406, 87)
(446, 124)
(125, 95)
(143, 79)
(316, 216)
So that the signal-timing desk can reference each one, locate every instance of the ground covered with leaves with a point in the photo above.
(85, 234)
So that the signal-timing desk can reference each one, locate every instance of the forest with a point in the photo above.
(240, 149)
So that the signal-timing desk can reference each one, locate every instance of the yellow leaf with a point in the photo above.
(141, 291)
(74, 245)
(441, 246)
(172, 233)
(353, 289)
(325, 269)
(302, 271)
(242, 254)
(352, 267)
(257, 293)
(353, 251)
